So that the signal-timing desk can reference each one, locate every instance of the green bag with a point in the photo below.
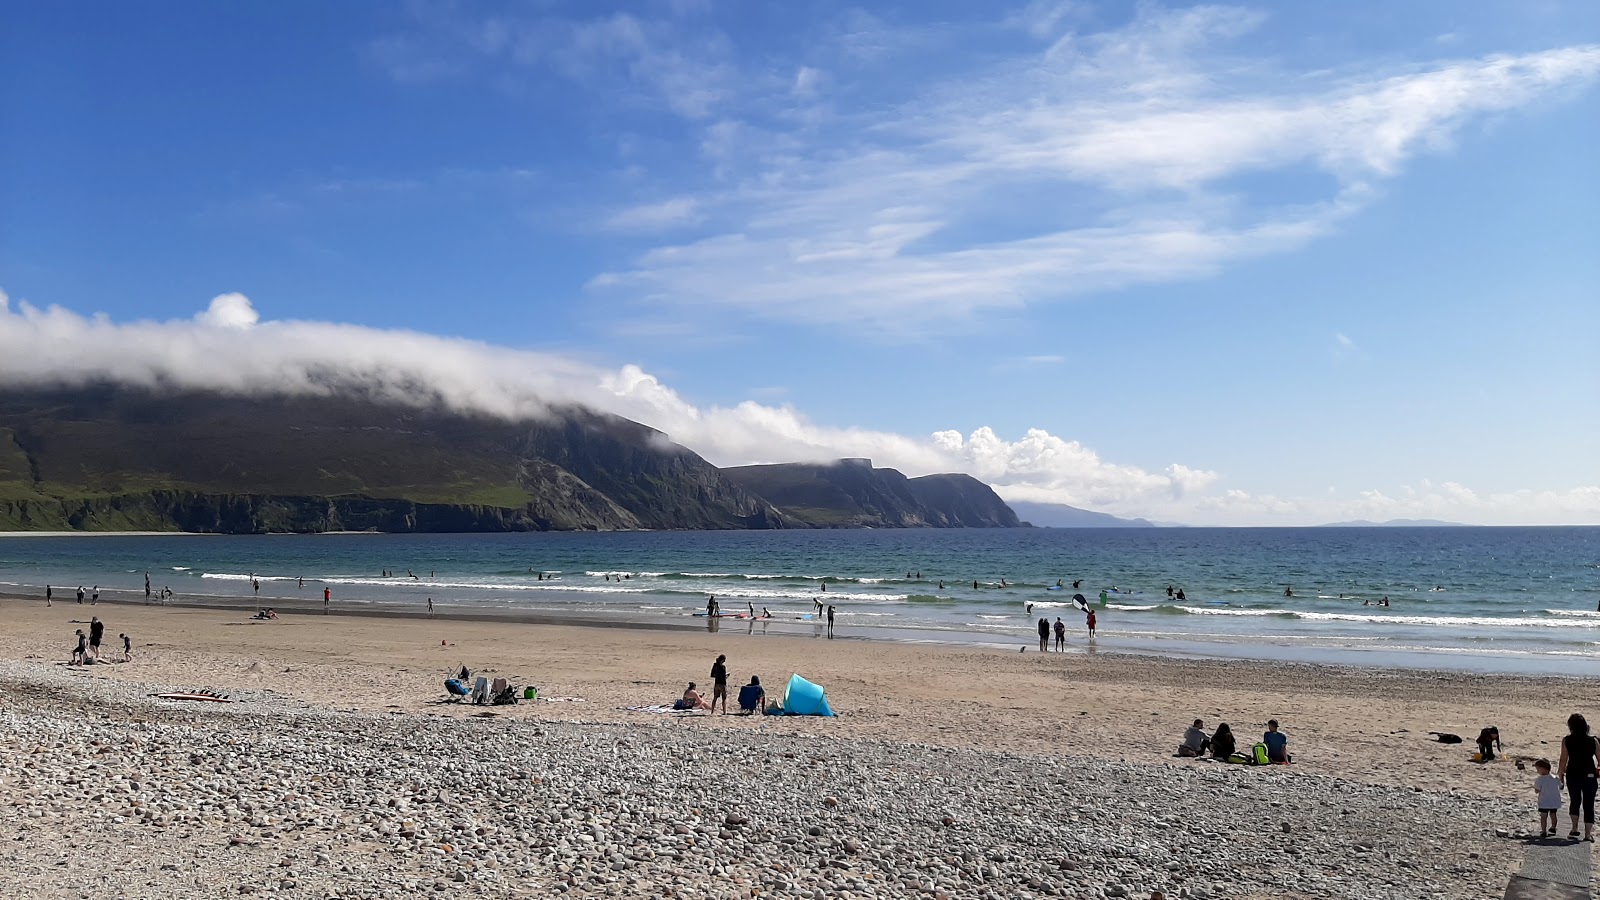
(530, 693)
(1260, 753)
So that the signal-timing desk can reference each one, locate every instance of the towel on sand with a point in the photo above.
(664, 709)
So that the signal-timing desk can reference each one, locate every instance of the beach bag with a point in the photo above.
(1259, 751)
(530, 693)
(1239, 759)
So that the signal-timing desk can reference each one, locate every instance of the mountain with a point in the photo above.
(1395, 523)
(116, 458)
(851, 493)
(1060, 515)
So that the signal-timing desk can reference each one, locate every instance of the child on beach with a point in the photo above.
(127, 648)
(1548, 787)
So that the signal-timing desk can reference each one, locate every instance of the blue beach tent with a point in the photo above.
(802, 698)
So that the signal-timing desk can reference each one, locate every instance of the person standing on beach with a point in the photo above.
(1044, 635)
(1061, 635)
(97, 631)
(327, 595)
(430, 607)
(47, 594)
(255, 585)
(127, 648)
(80, 595)
(1577, 770)
(719, 683)
(1089, 621)
(830, 617)
(147, 587)
(94, 599)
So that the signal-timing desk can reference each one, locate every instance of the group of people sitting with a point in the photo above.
(1273, 747)
(483, 692)
(752, 698)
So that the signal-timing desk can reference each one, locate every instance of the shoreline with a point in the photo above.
(1469, 661)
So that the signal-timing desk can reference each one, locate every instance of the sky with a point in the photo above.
(1272, 264)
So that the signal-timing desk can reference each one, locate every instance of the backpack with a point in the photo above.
(1259, 751)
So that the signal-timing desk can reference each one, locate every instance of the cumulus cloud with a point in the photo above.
(229, 311)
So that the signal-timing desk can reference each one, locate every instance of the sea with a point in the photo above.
(1485, 599)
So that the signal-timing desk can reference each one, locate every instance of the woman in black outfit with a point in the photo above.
(1578, 773)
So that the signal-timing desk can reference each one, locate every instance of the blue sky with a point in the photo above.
(1281, 263)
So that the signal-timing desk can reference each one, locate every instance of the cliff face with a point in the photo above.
(853, 494)
(119, 459)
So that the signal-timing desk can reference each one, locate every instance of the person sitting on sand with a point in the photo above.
(752, 696)
(81, 654)
(1222, 743)
(1195, 742)
(691, 699)
(1277, 743)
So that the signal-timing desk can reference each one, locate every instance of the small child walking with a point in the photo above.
(1548, 788)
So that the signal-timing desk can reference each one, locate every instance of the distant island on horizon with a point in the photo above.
(1396, 523)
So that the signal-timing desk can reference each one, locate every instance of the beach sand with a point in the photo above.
(1367, 726)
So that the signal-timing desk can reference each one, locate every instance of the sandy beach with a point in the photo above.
(1361, 734)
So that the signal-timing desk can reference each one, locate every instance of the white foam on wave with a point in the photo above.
(1130, 606)
(1573, 613)
(1445, 621)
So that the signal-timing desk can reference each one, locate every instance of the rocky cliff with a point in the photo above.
(852, 494)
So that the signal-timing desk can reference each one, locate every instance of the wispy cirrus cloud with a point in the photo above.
(1130, 151)
(656, 60)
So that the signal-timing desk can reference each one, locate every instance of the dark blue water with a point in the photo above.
(1519, 594)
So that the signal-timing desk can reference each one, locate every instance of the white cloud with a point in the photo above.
(229, 311)
(229, 348)
(1049, 359)
(656, 216)
(1146, 129)
(686, 67)
(806, 80)
(1043, 18)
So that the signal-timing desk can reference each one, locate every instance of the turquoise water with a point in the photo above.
(1497, 598)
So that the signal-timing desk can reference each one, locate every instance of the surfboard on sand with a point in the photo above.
(187, 695)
